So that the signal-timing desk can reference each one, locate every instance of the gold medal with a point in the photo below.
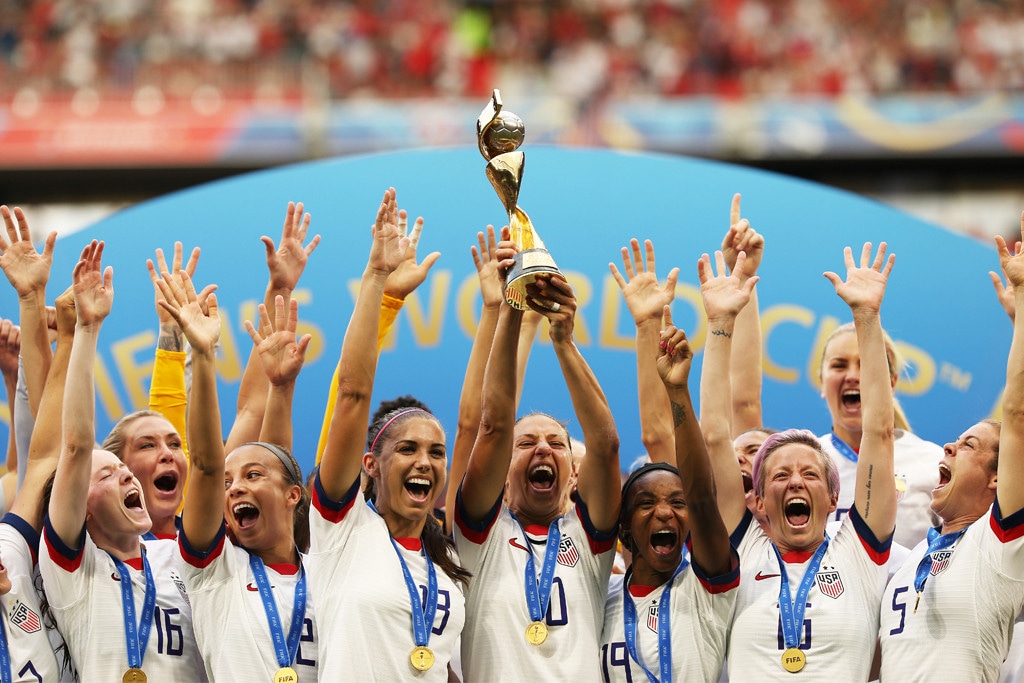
(793, 660)
(286, 674)
(536, 633)
(134, 675)
(421, 658)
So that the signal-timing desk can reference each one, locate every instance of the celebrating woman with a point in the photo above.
(388, 584)
(120, 605)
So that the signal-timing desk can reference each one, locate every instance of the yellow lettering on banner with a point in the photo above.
(612, 305)
(317, 340)
(691, 295)
(464, 309)
(770, 319)
(922, 377)
(5, 415)
(229, 366)
(106, 392)
(134, 375)
(426, 329)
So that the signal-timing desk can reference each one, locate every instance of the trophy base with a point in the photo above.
(530, 265)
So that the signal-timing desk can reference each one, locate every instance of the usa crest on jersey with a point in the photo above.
(940, 560)
(568, 556)
(652, 617)
(830, 583)
(24, 618)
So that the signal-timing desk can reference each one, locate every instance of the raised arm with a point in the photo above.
(10, 347)
(167, 393)
(282, 358)
(709, 539)
(746, 375)
(44, 449)
(1010, 475)
(724, 299)
(357, 367)
(486, 261)
(197, 317)
(94, 295)
(599, 480)
(863, 291)
(285, 262)
(646, 300)
(402, 282)
(28, 272)
(1006, 294)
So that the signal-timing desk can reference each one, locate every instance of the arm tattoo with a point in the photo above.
(171, 338)
(867, 500)
(722, 333)
(678, 414)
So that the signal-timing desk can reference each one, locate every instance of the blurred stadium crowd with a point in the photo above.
(584, 49)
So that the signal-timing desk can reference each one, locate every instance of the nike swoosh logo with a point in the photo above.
(762, 577)
(515, 544)
(251, 587)
(115, 577)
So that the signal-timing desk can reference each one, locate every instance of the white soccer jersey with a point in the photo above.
(701, 609)
(962, 627)
(230, 621)
(84, 592)
(494, 645)
(363, 605)
(32, 656)
(917, 471)
(841, 613)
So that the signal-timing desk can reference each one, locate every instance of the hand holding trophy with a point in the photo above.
(499, 134)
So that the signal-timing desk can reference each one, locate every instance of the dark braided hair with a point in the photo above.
(438, 547)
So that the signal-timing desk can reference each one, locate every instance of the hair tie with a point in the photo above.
(387, 424)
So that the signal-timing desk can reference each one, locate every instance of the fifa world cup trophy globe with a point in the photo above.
(499, 135)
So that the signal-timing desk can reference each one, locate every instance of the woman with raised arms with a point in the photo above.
(809, 603)
(388, 583)
(535, 610)
(120, 604)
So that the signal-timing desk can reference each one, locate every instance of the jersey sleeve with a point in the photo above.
(205, 568)
(19, 542)
(877, 551)
(66, 571)
(328, 529)
(167, 390)
(1006, 553)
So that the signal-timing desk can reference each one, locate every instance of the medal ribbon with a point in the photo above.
(843, 448)
(286, 650)
(664, 627)
(5, 655)
(136, 636)
(792, 611)
(538, 589)
(422, 613)
(936, 541)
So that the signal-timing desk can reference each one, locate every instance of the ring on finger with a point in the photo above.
(555, 306)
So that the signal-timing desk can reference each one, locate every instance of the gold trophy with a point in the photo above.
(499, 134)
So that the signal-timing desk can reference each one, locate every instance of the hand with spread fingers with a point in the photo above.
(409, 274)
(27, 270)
(280, 354)
(724, 295)
(644, 297)
(93, 285)
(1005, 293)
(864, 287)
(390, 245)
(288, 259)
(155, 269)
(1012, 266)
(196, 314)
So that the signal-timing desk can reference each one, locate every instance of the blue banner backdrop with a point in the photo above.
(586, 205)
